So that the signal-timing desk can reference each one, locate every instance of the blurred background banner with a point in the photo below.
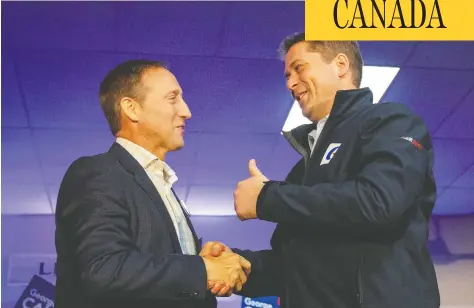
(38, 294)
(261, 302)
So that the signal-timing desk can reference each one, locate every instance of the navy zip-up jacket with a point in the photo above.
(353, 217)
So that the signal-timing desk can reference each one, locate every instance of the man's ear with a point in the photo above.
(343, 65)
(130, 108)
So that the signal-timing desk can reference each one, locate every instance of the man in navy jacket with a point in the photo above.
(353, 213)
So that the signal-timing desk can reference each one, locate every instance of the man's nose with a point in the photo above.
(184, 111)
(291, 84)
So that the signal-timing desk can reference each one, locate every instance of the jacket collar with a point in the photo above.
(349, 101)
(125, 158)
(345, 103)
(131, 165)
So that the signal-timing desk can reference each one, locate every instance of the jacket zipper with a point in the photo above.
(360, 287)
(297, 147)
(331, 123)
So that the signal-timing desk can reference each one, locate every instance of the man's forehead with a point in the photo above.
(291, 61)
(161, 80)
(161, 74)
(298, 50)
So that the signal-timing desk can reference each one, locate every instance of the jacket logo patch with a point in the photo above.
(414, 142)
(330, 152)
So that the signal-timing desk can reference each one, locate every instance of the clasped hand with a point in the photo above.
(226, 271)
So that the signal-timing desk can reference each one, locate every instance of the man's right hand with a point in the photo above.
(225, 272)
(215, 249)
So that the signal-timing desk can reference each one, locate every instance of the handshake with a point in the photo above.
(226, 271)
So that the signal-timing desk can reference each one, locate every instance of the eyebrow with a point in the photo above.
(175, 92)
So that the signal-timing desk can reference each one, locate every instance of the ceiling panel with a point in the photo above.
(211, 200)
(455, 201)
(460, 123)
(466, 179)
(455, 55)
(22, 198)
(20, 164)
(245, 96)
(386, 53)
(13, 110)
(178, 28)
(431, 93)
(223, 158)
(61, 88)
(439, 190)
(253, 234)
(58, 149)
(183, 161)
(52, 191)
(61, 25)
(282, 160)
(253, 30)
(451, 159)
(234, 95)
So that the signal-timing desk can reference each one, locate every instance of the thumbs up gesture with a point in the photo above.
(247, 191)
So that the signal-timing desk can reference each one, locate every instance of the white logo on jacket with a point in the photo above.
(329, 154)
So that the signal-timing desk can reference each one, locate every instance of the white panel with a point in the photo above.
(53, 191)
(29, 236)
(211, 200)
(455, 280)
(457, 232)
(21, 267)
(18, 198)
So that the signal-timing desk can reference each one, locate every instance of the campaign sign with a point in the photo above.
(21, 267)
(261, 302)
(38, 294)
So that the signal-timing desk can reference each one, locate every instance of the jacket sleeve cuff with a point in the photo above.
(195, 285)
(266, 207)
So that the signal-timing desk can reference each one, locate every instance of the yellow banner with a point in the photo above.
(389, 20)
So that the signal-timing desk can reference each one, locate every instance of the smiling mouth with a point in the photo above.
(298, 98)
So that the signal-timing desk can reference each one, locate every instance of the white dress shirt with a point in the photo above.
(314, 135)
(163, 177)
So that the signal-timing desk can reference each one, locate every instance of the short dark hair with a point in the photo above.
(123, 81)
(329, 50)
